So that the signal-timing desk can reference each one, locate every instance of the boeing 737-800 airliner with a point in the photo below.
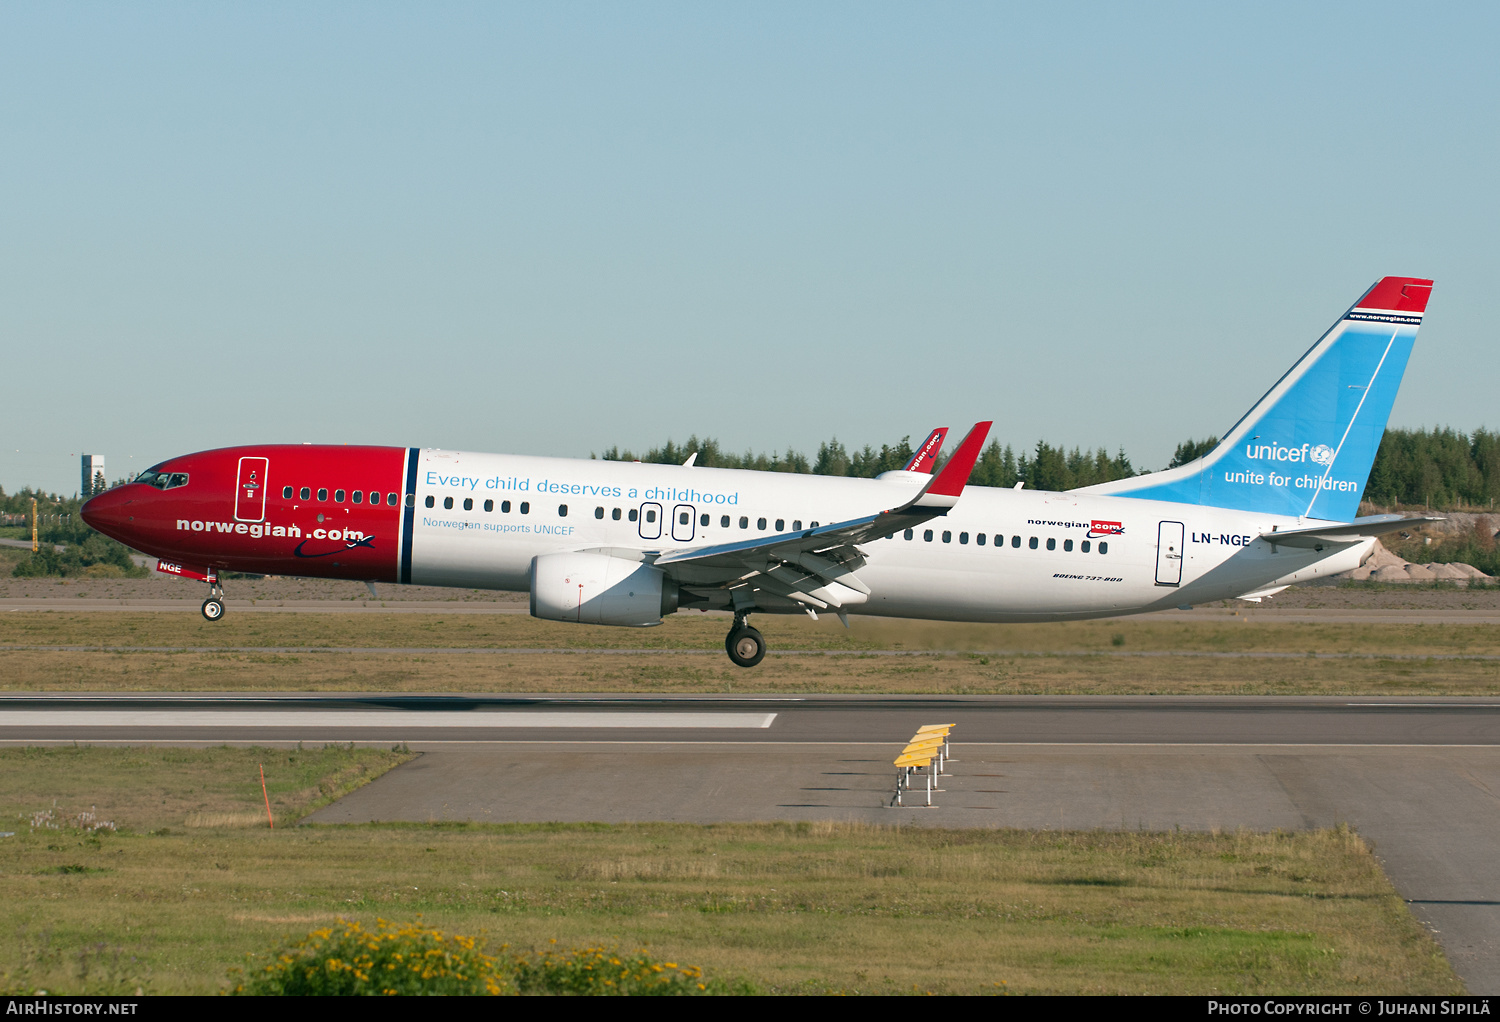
(621, 543)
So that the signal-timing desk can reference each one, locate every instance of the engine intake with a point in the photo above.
(598, 589)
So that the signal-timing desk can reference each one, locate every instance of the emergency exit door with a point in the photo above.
(682, 522)
(650, 524)
(1169, 554)
(250, 490)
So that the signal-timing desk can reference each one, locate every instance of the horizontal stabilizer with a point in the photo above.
(1353, 532)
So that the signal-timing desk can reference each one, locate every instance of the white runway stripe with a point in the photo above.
(377, 719)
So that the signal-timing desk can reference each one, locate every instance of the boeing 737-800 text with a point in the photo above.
(620, 543)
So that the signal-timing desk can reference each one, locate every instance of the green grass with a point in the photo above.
(706, 632)
(686, 655)
(166, 904)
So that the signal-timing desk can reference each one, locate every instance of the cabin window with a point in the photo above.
(683, 518)
(431, 501)
(703, 521)
(723, 521)
(781, 525)
(760, 523)
(963, 537)
(562, 510)
(489, 505)
(338, 496)
(448, 503)
(1067, 545)
(796, 525)
(744, 522)
(323, 493)
(305, 493)
(1015, 541)
(1083, 547)
(286, 493)
(908, 534)
(359, 496)
(615, 514)
(947, 536)
(468, 503)
(1103, 547)
(505, 507)
(979, 539)
(1051, 543)
(651, 515)
(812, 525)
(927, 535)
(526, 507)
(634, 514)
(1032, 544)
(598, 512)
(393, 499)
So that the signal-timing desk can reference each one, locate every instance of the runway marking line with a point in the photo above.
(223, 719)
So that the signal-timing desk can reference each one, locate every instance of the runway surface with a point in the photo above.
(1419, 778)
(1047, 720)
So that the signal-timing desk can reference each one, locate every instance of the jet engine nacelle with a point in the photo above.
(598, 589)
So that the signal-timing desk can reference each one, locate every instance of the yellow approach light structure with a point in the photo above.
(34, 547)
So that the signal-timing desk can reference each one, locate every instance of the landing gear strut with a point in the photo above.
(213, 607)
(745, 646)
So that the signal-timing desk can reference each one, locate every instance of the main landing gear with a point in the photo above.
(745, 646)
(213, 607)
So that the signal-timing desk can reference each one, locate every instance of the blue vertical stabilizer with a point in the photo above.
(1306, 448)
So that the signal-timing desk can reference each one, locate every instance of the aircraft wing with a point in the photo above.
(1361, 528)
(798, 565)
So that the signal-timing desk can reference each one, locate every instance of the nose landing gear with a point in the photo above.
(213, 607)
(745, 646)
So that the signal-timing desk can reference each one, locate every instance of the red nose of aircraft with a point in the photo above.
(112, 511)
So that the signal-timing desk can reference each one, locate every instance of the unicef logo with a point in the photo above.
(1321, 454)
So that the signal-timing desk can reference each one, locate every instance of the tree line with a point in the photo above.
(1045, 467)
(1442, 468)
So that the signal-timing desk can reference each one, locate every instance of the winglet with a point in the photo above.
(925, 460)
(946, 486)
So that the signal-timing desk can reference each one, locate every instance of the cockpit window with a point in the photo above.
(162, 480)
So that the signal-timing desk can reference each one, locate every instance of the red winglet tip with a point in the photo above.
(926, 457)
(1397, 294)
(951, 481)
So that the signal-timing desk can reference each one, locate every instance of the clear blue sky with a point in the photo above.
(548, 228)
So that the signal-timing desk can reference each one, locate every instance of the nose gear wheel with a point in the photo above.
(213, 607)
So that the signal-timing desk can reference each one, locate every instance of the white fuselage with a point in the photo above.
(1079, 555)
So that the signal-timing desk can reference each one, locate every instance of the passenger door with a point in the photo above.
(1169, 554)
(250, 490)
